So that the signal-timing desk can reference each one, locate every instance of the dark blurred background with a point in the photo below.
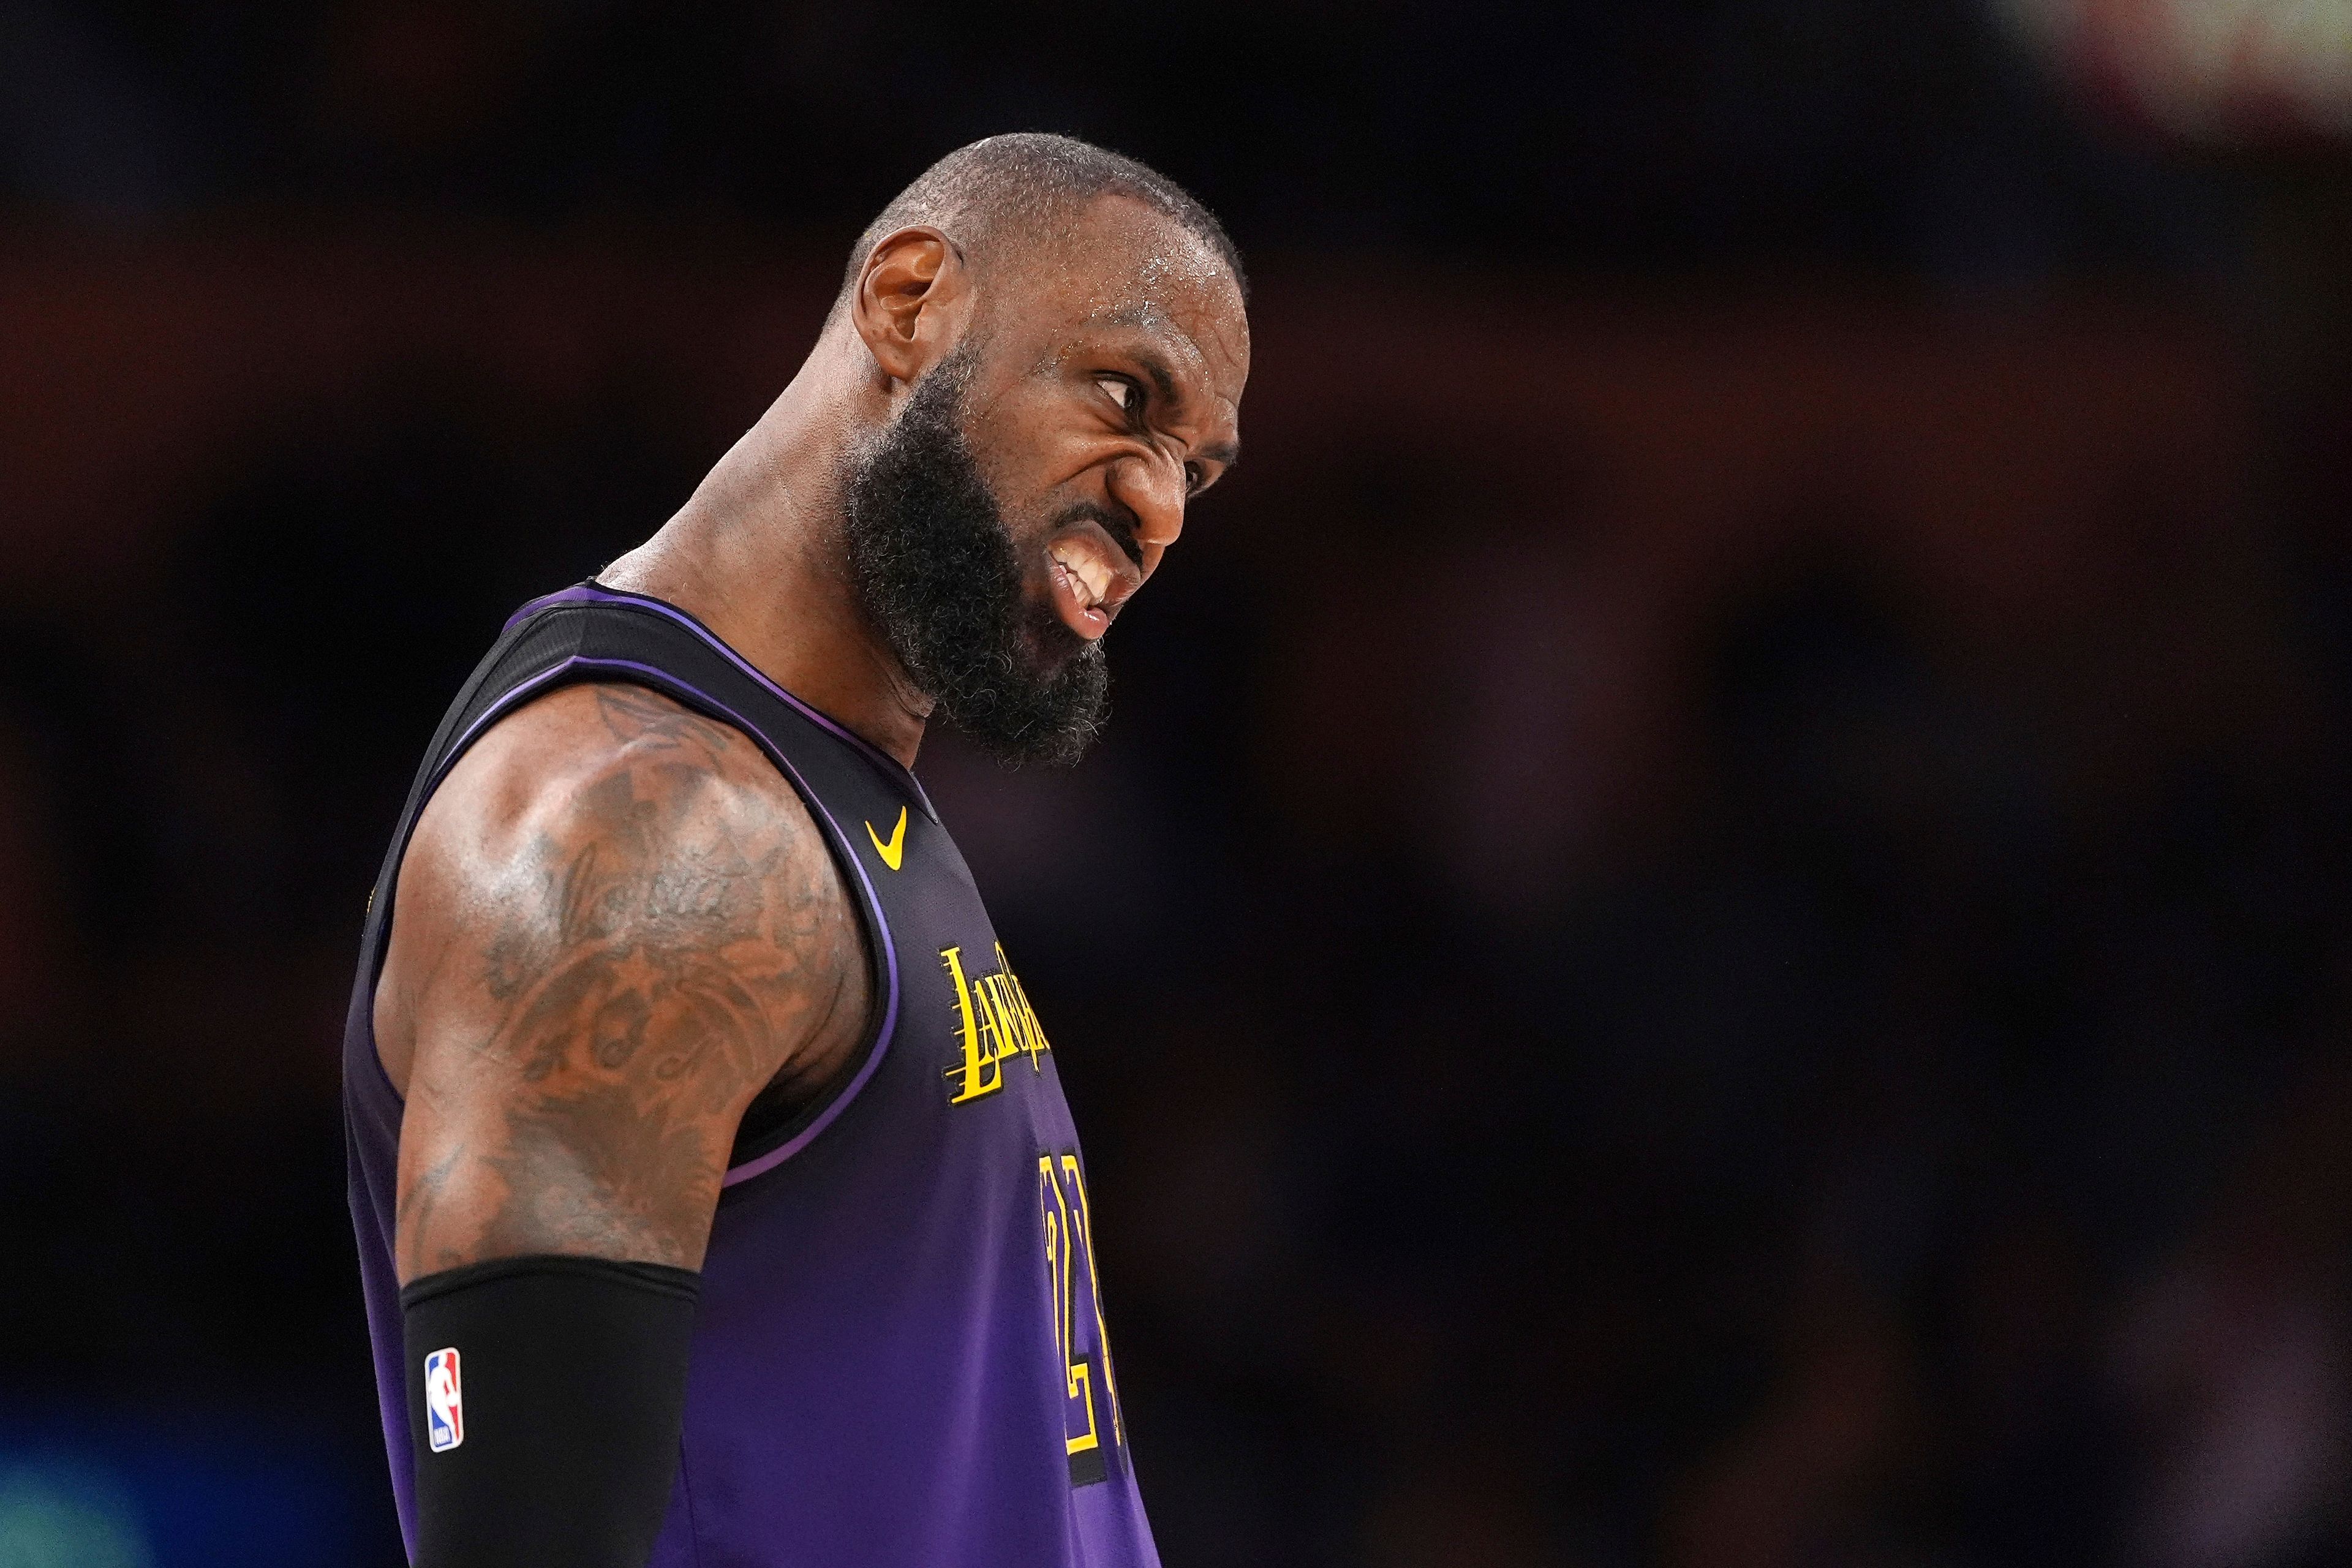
(1714, 927)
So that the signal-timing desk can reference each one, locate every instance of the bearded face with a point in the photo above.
(939, 571)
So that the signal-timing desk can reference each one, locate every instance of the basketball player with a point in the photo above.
(717, 1200)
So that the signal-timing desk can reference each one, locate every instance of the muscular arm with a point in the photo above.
(614, 925)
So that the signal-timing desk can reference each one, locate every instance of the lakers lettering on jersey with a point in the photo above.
(994, 1024)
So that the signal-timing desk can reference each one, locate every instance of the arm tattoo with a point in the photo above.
(646, 969)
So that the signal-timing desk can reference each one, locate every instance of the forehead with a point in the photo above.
(1122, 273)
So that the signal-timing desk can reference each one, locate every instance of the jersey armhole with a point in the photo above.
(756, 1150)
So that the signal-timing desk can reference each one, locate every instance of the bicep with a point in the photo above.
(609, 961)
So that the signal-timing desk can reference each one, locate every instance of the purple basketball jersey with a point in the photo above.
(900, 1359)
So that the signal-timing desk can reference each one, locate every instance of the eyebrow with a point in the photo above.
(1156, 367)
(1224, 454)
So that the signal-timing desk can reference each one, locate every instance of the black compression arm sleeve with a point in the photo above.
(551, 1437)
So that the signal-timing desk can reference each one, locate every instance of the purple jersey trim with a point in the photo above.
(596, 593)
(660, 681)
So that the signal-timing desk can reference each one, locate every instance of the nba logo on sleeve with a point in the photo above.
(444, 1407)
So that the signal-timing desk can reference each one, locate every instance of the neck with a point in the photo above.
(758, 554)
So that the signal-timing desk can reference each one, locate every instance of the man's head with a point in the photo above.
(1059, 340)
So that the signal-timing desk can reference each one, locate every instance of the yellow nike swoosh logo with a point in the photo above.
(895, 850)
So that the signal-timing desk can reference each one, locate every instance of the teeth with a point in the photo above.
(1086, 576)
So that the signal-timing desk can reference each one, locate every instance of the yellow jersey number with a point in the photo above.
(1091, 1416)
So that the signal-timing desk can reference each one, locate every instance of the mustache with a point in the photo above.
(1114, 520)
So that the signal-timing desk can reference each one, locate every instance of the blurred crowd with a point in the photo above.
(1714, 926)
(1651, 139)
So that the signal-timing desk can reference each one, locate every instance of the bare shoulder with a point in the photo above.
(615, 924)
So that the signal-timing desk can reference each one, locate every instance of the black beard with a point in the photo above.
(934, 565)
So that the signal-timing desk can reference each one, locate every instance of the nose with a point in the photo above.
(1151, 488)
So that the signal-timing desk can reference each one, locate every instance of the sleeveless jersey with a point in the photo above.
(899, 1359)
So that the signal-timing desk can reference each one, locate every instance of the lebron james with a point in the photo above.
(715, 1197)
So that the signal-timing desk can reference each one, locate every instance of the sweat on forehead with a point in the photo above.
(1007, 195)
(1116, 263)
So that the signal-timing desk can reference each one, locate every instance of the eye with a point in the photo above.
(1121, 393)
(1194, 477)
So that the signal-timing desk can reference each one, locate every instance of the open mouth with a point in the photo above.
(1087, 590)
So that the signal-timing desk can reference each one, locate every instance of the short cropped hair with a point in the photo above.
(1018, 185)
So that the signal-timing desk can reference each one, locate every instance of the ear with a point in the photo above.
(913, 300)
